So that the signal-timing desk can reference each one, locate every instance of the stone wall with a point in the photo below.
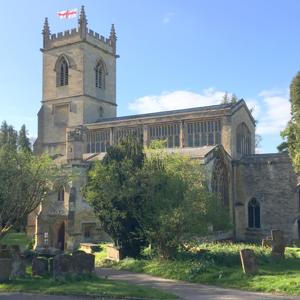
(271, 180)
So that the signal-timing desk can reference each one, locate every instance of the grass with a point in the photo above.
(89, 286)
(15, 238)
(221, 266)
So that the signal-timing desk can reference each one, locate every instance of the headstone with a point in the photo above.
(267, 242)
(18, 262)
(278, 244)
(40, 266)
(248, 261)
(62, 264)
(113, 253)
(5, 269)
(83, 262)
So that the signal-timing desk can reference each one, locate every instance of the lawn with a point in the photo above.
(91, 286)
(15, 238)
(221, 266)
(75, 285)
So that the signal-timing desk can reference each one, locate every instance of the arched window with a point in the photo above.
(61, 194)
(99, 75)
(62, 72)
(243, 139)
(253, 213)
(219, 182)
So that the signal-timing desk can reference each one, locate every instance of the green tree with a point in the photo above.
(25, 179)
(234, 98)
(292, 131)
(8, 136)
(158, 198)
(23, 140)
(225, 99)
(177, 206)
(114, 191)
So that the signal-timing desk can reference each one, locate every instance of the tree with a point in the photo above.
(114, 191)
(23, 140)
(8, 136)
(158, 198)
(292, 131)
(177, 206)
(225, 99)
(25, 180)
(234, 98)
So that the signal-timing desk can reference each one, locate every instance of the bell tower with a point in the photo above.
(79, 82)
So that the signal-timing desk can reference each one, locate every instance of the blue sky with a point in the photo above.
(173, 54)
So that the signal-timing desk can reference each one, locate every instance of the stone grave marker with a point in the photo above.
(248, 261)
(40, 266)
(83, 262)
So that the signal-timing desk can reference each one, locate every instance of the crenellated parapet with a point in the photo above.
(81, 33)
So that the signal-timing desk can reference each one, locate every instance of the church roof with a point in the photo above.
(231, 107)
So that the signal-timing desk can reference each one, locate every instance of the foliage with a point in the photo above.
(160, 198)
(25, 180)
(283, 147)
(114, 191)
(176, 203)
(221, 266)
(23, 140)
(292, 131)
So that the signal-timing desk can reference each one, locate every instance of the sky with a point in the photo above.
(173, 54)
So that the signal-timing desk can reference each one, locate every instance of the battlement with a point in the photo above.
(75, 32)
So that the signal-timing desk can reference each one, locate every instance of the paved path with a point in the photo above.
(185, 290)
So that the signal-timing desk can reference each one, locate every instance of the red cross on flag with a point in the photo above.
(67, 14)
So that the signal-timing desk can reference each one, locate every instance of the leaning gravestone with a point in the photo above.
(83, 262)
(40, 266)
(278, 244)
(248, 261)
(62, 265)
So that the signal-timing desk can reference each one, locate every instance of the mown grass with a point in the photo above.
(221, 266)
(88, 286)
(15, 238)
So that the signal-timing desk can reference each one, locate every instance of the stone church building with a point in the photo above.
(78, 120)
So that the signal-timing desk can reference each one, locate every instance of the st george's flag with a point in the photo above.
(67, 14)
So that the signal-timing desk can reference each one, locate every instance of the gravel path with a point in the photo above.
(185, 290)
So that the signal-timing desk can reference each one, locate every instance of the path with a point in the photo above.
(185, 290)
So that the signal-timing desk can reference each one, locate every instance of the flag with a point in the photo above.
(67, 14)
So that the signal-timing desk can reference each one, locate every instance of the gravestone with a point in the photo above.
(62, 264)
(18, 262)
(267, 242)
(40, 266)
(5, 268)
(278, 244)
(83, 262)
(248, 261)
(113, 253)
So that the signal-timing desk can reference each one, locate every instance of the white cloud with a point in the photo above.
(275, 111)
(176, 100)
(270, 107)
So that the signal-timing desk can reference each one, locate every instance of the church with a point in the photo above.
(77, 121)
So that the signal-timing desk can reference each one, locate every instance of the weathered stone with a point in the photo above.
(5, 269)
(113, 253)
(277, 236)
(83, 262)
(89, 247)
(267, 243)
(62, 264)
(278, 244)
(40, 266)
(18, 262)
(248, 261)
